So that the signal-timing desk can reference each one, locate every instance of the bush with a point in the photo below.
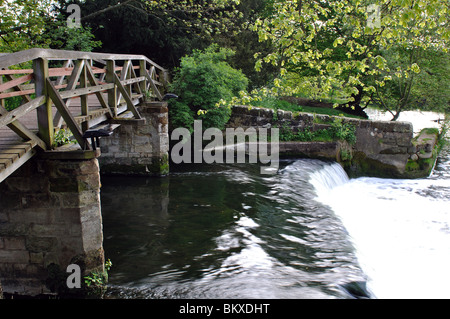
(338, 131)
(203, 79)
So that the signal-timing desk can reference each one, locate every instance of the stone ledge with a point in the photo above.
(70, 154)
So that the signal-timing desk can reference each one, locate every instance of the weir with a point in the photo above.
(381, 148)
(65, 120)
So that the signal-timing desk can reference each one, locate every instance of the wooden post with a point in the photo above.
(142, 72)
(112, 93)
(44, 112)
(84, 98)
(2, 101)
(67, 116)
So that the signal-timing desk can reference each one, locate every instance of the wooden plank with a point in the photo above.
(133, 80)
(52, 72)
(73, 82)
(15, 72)
(26, 134)
(91, 116)
(100, 97)
(68, 71)
(32, 54)
(123, 77)
(154, 88)
(7, 171)
(75, 75)
(142, 71)
(24, 145)
(67, 116)
(8, 158)
(127, 98)
(25, 97)
(21, 111)
(26, 92)
(67, 65)
(6, 162)
(85, 91)
(44, 111)
(16, 82)
(20, 149)
(8, 140)
(17, 93)
(112, 93)
(84, 98)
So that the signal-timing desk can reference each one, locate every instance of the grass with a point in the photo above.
(277, 104)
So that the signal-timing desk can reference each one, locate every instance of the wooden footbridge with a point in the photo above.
(43, 92)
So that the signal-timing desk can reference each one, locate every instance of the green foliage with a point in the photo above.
(62, 137)
(431, 90)
(29, 23)
(443, 138)
(13, 102)
(163, 30)
(22, 23)
(338, 131)
(96, 281)
(272, 102)
(331, 46)
(343, 131)
(75, 39)
(205, 78)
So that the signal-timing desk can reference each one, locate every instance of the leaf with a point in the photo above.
(415, 68)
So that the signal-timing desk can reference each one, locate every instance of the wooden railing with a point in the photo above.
(103, 86)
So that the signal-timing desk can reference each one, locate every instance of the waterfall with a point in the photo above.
(329, 177)
(400, 229)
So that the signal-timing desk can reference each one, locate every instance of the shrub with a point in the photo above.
(338, 131)
(203, 79)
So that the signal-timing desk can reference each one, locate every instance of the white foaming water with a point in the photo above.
(400, 230)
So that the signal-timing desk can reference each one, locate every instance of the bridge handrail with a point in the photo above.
(9, 59)
(139, 78)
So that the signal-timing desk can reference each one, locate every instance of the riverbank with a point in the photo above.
(378, 148)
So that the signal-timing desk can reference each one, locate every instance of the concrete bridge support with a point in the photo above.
(50, 217)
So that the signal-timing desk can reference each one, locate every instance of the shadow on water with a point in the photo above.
(226, 231)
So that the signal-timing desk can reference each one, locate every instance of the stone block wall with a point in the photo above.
(139, 147)
(381, 149)
(50, 217)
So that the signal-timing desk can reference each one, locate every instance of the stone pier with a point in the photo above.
(50, 217)
(139, 147)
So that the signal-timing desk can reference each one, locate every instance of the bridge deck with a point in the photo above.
(14, 151)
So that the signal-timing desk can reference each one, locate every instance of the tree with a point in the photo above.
(348, 46)
(417, 78)
(244, 41)
(22, 23)
(28, 23)
(432, 89)
(204, 78)
(163, 30)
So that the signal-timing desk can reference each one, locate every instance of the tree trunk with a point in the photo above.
(395, 118)
(354, 107)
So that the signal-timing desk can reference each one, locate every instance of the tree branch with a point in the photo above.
(94, 14)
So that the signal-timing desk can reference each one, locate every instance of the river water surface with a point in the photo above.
(226, 231)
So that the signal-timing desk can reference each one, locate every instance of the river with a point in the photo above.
(226, 231)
